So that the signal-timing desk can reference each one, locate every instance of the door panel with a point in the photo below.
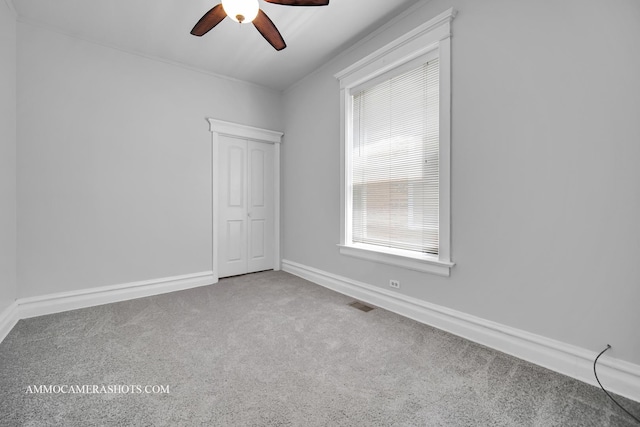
(246, 208)
(232, 243)
(257, 177)
(257, 239)
(235, 176)
(235, 233)
(261, 209)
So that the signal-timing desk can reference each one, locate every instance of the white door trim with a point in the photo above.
(220, 127)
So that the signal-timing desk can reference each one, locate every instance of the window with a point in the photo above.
(395, 152)
(394, 162)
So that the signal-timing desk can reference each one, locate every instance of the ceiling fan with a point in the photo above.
(245, 11)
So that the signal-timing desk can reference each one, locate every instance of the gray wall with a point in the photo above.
(545, 160)
(114, 162)
(8, 287)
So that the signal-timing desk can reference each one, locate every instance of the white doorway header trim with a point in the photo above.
(243, 131)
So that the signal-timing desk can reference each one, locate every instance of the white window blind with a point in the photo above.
(394, 161)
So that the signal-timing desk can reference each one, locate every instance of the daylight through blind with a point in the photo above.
(395, 162)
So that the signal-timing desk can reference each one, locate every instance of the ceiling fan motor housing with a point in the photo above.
(245, 11)
(242, 11)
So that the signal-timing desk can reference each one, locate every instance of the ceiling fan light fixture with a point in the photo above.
(242, 11)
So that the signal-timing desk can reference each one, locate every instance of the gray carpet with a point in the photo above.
(270, 349)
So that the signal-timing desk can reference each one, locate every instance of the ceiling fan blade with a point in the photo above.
(209, 20)
(269, 31)
(299, 2)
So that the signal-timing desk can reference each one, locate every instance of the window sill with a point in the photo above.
(405, 259)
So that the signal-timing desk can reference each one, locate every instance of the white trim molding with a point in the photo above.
(427, 41)
(617, 375)
(243, 131)
(8, 319)
(413, 44)
(404, 259)
(221, 127)
(24, 308)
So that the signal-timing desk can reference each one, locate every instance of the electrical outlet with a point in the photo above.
(394, 284)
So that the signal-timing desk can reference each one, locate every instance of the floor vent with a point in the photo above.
(361, 306)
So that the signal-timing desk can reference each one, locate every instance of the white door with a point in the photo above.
(246, 206)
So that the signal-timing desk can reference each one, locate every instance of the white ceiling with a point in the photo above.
(160, 28)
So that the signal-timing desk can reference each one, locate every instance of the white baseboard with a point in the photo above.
(616, 375)
(8, 319)
(24, 308)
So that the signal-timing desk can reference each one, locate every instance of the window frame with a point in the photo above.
(433, 38)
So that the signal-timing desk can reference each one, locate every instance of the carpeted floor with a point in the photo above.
(272, 349)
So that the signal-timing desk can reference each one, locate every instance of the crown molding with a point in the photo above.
(348, 48)
(58, 30)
